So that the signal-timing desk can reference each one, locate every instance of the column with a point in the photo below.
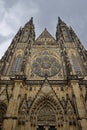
(84, 124)
(46, 128)
(28, 126)
(33, 127)
(79, 103)
(12, 110)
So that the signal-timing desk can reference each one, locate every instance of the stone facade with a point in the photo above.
(43, 81)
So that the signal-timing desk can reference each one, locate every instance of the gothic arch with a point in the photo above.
(77, 59)
(17, 60)
(75, 64)
(39, 111)
(18, 52)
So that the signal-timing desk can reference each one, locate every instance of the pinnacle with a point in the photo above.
(30, 22)
(45, 29)
(59, 20)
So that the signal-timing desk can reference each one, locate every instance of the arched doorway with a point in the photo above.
(44, 113)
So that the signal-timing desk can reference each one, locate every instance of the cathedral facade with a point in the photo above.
(43, 81)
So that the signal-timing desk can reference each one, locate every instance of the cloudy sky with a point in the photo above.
(15, 13)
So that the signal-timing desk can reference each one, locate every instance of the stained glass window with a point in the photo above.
(46, 65)
(17, 64)
(75, 65)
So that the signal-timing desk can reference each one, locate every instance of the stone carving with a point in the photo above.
(46, 115)
(45, 65)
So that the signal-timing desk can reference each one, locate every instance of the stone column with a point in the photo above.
(46, 127)
(79, 103)
(84, 124)
(71, 127)
(28, 126)
(12, 110)
(33, 127)
(65, 126)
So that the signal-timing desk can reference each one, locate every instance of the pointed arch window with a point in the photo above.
(75, 65)
(17, 64)
(67, 36)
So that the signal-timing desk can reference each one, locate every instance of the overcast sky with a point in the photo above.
(15, 13)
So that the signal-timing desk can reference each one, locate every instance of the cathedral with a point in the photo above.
(43, 81)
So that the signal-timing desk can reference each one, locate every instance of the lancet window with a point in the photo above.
(17, 64)
(75, 65)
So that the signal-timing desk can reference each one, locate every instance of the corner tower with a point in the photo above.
(14, 60)
(72, 49)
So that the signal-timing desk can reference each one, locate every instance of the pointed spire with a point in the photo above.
(60, 21)
(45, 29)
(30, 22)
(58, 29)
(29, 27)
(61, 26)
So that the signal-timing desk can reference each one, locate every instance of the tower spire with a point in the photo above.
(28, 31)
(61, 22)
(30, 22)
(63, 30)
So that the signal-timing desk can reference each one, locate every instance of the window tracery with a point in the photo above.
(45, 65)
(17, 64)
(46, 115)
(75, 65)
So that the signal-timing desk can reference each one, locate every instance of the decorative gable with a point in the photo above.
(45, 38)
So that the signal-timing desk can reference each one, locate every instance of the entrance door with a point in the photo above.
(40, 128)
(52, 128)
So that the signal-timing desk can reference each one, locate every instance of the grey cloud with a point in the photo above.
(5, 38)
(2, 38)
(15, 13)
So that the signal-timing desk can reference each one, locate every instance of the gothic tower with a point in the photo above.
(43, 81)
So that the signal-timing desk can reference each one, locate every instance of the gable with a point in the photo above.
(45, 38)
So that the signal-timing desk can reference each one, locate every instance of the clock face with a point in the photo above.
(45, 65)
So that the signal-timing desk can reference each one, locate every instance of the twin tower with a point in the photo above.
(43, 81)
